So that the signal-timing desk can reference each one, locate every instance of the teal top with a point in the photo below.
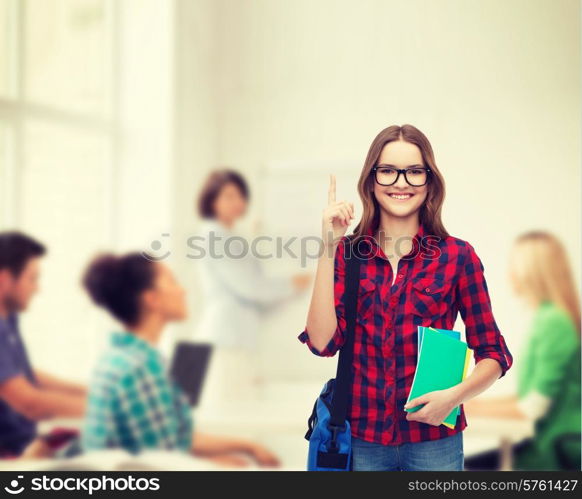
(133, 403)
(551, 366)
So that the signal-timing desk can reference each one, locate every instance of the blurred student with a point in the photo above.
(414, 274)
(133, 403)
(235, 288)
(27, 395)
(548, 388)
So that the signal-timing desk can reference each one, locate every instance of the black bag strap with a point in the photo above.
(343, 379)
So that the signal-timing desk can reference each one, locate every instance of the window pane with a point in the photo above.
(7, 49)
(68, 54)
(5, 168)
(65, 204)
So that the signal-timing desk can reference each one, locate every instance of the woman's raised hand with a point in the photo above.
(337, 216)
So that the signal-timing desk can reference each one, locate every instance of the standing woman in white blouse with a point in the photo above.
(236, 290)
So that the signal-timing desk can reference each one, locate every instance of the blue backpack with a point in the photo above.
(329, 431)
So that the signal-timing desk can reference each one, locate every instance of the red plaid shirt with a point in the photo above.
(437, 279)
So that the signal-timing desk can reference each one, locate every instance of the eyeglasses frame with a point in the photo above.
(403, 172)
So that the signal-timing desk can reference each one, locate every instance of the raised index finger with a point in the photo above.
(331, 191)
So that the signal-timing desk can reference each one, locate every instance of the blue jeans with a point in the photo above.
(445, 454)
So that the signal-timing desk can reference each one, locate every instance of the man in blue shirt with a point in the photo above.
(26, 395)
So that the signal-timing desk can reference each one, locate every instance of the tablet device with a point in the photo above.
(189, 367)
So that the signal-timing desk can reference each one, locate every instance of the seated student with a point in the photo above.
(548, 384)
(133, 403)
(27, 395)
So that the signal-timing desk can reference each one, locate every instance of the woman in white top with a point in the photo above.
(236, 290)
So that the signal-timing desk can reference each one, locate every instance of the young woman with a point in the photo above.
(133, 403)
(414, 274)
(237, 292)
(548, 388)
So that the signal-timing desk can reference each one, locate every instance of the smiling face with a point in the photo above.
(400, 200)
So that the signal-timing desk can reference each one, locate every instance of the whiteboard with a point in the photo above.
(291, 198)
(294, 194)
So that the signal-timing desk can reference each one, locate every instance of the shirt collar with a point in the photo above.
(213, 225)
(126, 339)
(11, 321)
(373, 246)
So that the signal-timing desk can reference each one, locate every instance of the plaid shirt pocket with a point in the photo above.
(366, 297)
(430, 297)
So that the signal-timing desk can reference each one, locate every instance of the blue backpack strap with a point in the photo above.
(343, 383)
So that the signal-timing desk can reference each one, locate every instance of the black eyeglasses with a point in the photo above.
(416, 176)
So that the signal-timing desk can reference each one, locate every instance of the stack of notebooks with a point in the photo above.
(442, 362)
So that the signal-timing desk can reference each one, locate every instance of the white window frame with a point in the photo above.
(16, 111)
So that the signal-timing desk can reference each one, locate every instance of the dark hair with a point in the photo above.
(117, 282)
(16, 249)
(212, 187)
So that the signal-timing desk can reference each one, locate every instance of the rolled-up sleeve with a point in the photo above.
(338, 337)
(483, 335)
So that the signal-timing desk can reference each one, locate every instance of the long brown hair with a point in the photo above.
(430, 212)
(543, 272)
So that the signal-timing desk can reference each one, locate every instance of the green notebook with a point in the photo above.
(448, 332)
(442, 363)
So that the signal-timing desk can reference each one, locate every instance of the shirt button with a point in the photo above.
(427, 290)
(393, 301)
(400, 276)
